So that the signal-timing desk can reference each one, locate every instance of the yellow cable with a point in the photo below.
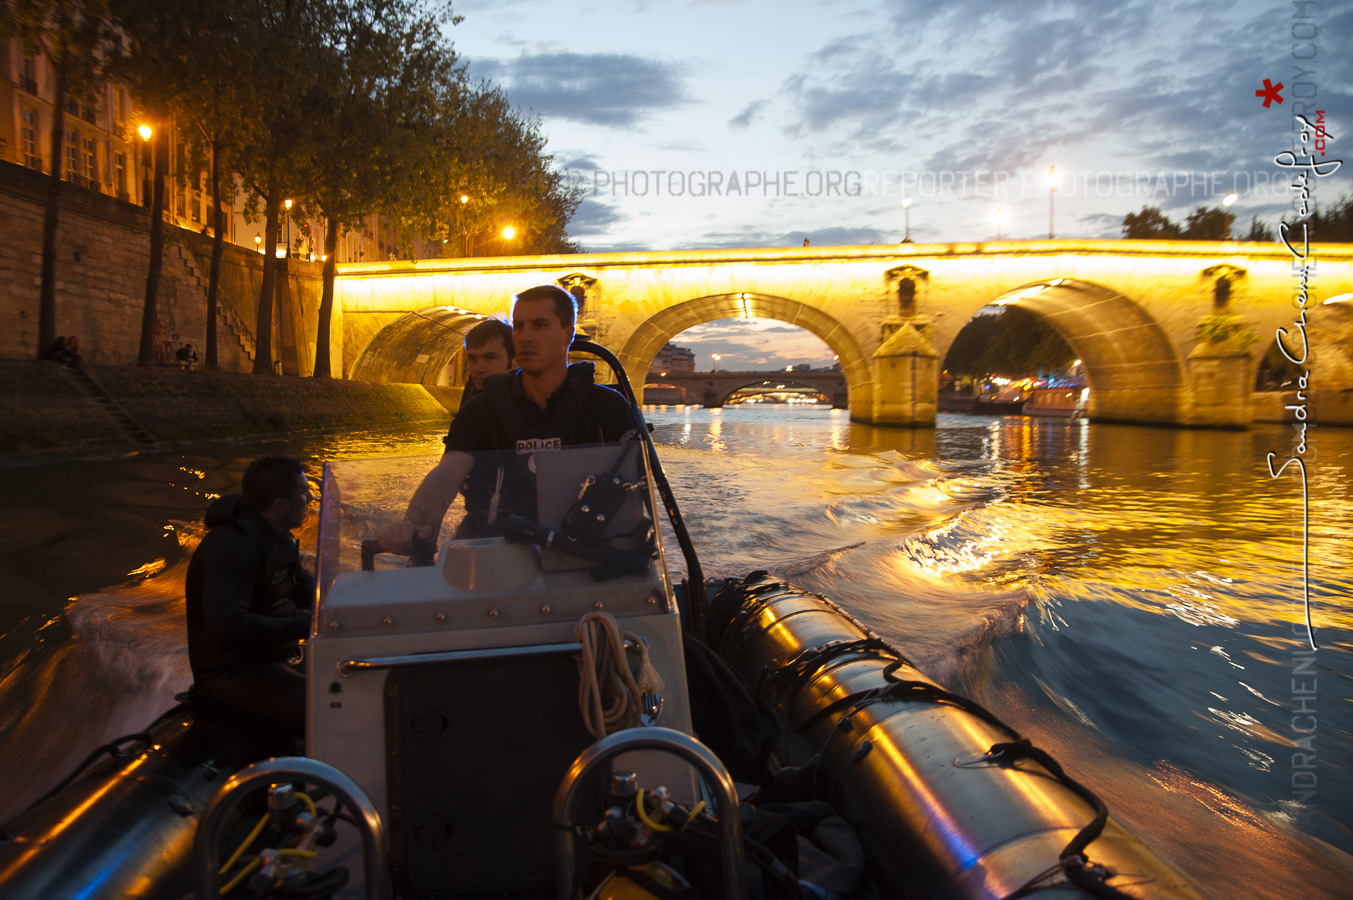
(309, 804)
(258, 829)
(241, 875)
(695, 812)
(639, 808)
(297, 851)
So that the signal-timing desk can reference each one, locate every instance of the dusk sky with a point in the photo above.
(722, 123)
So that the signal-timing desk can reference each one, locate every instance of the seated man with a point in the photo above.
(547, 404)
(249, 600)
(186, 356)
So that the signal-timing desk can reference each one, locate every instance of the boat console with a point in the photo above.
(450, 692)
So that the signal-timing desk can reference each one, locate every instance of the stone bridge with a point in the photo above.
(1169, 332)
(714, 388)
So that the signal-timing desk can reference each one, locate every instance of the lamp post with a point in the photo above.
(906, 211)
(1054, 181)
(287, 204)
(146, 163)
(1000, 214)
(465, 232)
(716, 357)
(1226, 203)
(258, 242)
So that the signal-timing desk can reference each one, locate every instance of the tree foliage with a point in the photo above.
(1335, 223)
(1012, 342)
(1149, 225)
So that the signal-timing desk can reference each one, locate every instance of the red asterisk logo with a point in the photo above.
(1270, 92)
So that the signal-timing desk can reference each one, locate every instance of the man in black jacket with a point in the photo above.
(545, 405)
(249, 600)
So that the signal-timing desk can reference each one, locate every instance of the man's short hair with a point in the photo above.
(488, 331)
(565, 307)
(270, 478)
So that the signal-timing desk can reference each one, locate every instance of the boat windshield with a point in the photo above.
(596, 500)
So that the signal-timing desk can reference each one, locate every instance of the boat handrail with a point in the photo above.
(349, 667)
(677, 744)
(375, 845)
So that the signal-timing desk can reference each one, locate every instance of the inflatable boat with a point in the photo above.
(544, 713)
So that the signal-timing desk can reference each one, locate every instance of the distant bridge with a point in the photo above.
(713, 389)
(1170, 332)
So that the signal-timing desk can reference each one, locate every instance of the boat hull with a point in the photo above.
(936, 815)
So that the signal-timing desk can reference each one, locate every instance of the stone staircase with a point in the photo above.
(134, 430)
(230, 327)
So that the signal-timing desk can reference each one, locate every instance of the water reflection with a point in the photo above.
(1124, 595)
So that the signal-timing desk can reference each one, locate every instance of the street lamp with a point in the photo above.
(465, 232)
(287, 204)
(906, 211)
(1226, 203)
(145, 131)
(1053, 180)
(1000, 215)
(716, 357)
(509, 232)
(258, 242)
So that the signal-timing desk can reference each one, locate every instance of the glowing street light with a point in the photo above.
(716, 357)
(509, 232)
(1053, 180)
(145, 131)
(287, 204)
(258, 242)
(906, 211)
(1226, 204)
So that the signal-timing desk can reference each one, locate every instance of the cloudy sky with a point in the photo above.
(756, 123)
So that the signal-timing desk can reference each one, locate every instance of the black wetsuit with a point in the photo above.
(503, 418)
(248, 603)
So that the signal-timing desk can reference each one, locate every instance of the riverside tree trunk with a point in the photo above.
(150, 312)
(217, 247)
(323, 367)
(263, 327)
(47, 291)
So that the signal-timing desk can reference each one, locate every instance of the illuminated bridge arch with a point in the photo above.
(650, 336)
(417, 347)
(1131, 366)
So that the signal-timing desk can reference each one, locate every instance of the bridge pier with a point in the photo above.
(906, 379)
(1220, 377)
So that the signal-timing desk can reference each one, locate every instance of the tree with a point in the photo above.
(1335, 224)
(1012, 342)
(483, 150)
(1208, 224)
(1259, 232)
(388, 67)
(1149, 224)
(74, 37)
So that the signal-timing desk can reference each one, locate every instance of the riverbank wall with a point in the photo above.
(103, 254)
(48, 412)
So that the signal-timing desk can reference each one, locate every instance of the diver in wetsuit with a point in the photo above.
(249, 599)
(545, 405)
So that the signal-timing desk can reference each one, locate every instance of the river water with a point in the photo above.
(1130, 598)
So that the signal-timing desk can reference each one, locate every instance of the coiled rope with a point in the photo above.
(610, 697)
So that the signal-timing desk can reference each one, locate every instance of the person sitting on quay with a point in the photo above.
(65, 351)
(186, 356)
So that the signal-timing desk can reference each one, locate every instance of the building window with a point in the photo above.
(120, 173)
(28, 76)
(91, 169)
(72, 155)
(30, 141)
